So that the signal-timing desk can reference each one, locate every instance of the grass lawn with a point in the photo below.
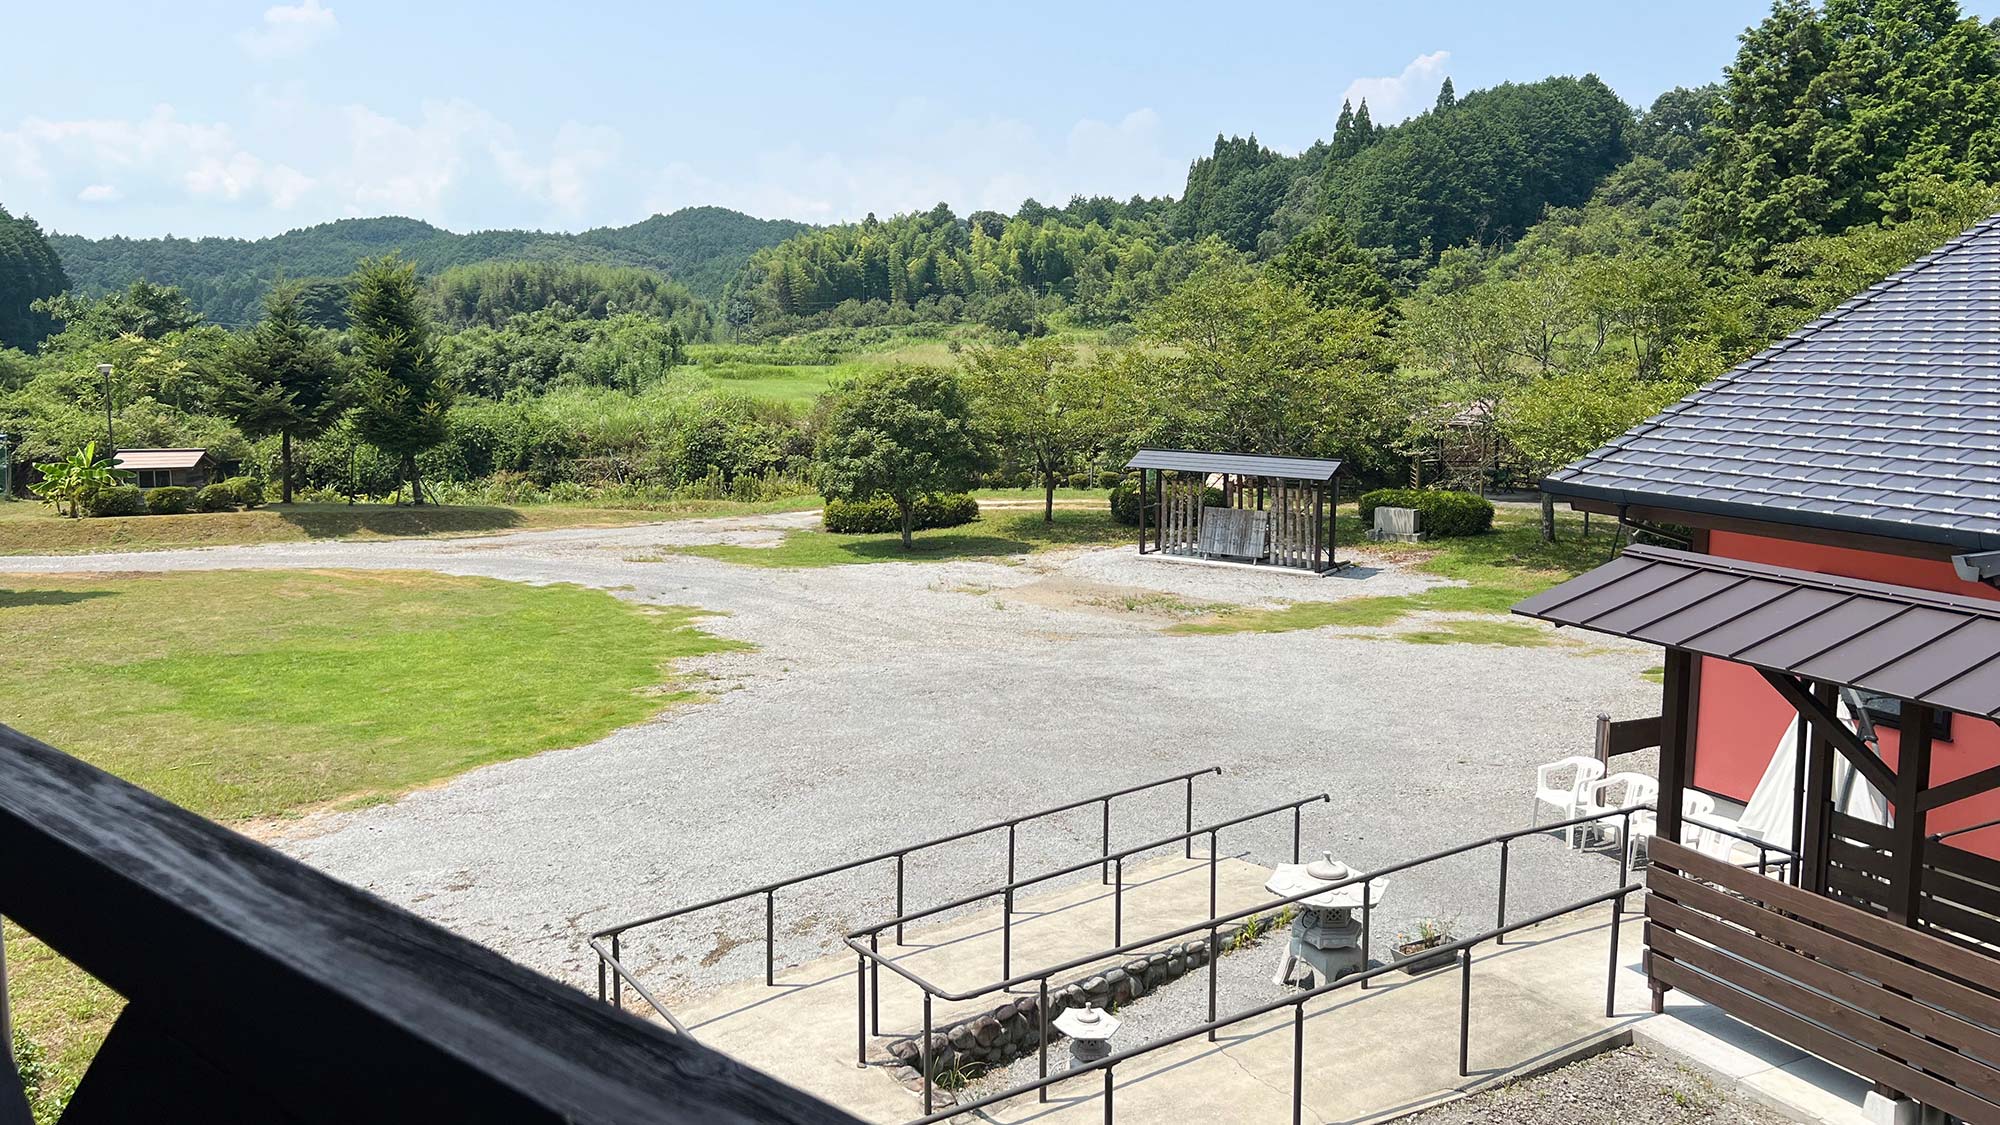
(30, 529)
(995, 535)
(294, 690)
(1499, 569)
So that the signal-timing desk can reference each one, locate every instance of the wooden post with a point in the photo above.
(1677, 750)
(1818, 813)
(1142, 511)
(1913, 775)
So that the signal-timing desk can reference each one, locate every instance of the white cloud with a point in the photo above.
(563, 180)
(204, 159)
(920, 156)
(1392, 99)
(412, 167)
(288, 29)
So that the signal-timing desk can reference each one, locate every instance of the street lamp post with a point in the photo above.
(110, 445)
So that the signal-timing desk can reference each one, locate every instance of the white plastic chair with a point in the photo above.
(1565, 798)
(1694, 806)
(1636, 789)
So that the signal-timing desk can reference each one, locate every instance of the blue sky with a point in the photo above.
(203, 117)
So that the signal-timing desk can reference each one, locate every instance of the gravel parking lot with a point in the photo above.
(891, 703)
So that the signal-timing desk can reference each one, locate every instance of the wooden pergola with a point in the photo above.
(1275, 511)
(1877, 950)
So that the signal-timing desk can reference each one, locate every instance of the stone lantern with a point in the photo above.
(1326, 933)
(1089, 1032)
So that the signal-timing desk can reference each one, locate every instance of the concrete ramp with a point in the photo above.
(1368, 1055)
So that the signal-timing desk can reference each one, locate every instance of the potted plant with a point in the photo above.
(1428, 933)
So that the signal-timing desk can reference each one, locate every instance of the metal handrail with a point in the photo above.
(611, 990)
(1109, 857)
(870, 958)
(1461, 949)
(606, 957)
(1117, 883)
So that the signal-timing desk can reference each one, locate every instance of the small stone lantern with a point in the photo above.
(1089, 1032)
(1326, 934)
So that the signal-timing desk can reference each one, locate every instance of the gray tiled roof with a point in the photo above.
(1882, 416)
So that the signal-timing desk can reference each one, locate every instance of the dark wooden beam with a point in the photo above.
(1913, 770)
(1816, 827)
(339, 1005)
(1971, 785)
(1826, 716)
(1678, 697)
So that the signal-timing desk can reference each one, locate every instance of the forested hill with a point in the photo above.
(699, 247)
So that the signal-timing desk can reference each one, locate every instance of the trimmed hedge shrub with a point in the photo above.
(1109, 478)
(1125, 502)
(215, 498)
(119, 500)
(879, 516)
(249, 491)
(1446, 514)
(1079, 480)
(172, 501)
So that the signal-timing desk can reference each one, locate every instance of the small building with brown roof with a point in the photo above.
(161, 468)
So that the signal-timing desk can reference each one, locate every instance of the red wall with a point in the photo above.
(1740, 719)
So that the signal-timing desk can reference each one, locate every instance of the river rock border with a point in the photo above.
(997, 1037)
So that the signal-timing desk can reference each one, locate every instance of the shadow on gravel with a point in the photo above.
(334, 521)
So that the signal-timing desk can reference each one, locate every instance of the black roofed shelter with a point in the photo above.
(1275, 511)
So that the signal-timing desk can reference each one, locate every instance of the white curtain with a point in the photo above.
(1772, 804)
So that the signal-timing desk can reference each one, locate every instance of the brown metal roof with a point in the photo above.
(159, 458)
(1926, 647)
(1239, 464)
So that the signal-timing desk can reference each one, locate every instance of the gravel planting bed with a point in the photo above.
(890, 704)
(1626, 1085)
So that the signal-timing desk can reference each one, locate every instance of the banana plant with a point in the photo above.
(66, 483)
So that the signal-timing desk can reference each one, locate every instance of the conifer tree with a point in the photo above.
(1447, 97)
(285, 378)
(401, 392)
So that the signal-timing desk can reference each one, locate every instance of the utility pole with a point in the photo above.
(6, 479)
(110, 444)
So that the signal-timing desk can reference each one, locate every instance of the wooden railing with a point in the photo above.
(258, 989)
(1894, 1004)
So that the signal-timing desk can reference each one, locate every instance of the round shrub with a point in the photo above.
(1125, 503)
(120, 500)
(1079, 480)
(249, 491)
(215, 498)
(172, 501)
(1109, 478)
(1445, 514)
(879, 516)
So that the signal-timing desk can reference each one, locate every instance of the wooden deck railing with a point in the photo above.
(258, 989)
(1894, 1004)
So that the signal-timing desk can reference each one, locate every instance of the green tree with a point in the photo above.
(285, 378)
(401, 394)
(1556, 419)
(900, 434)
(1326, 265)
(1246, 362)
(1447, 97)
(1831, 119)
(1044, 405)
(30, 272)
